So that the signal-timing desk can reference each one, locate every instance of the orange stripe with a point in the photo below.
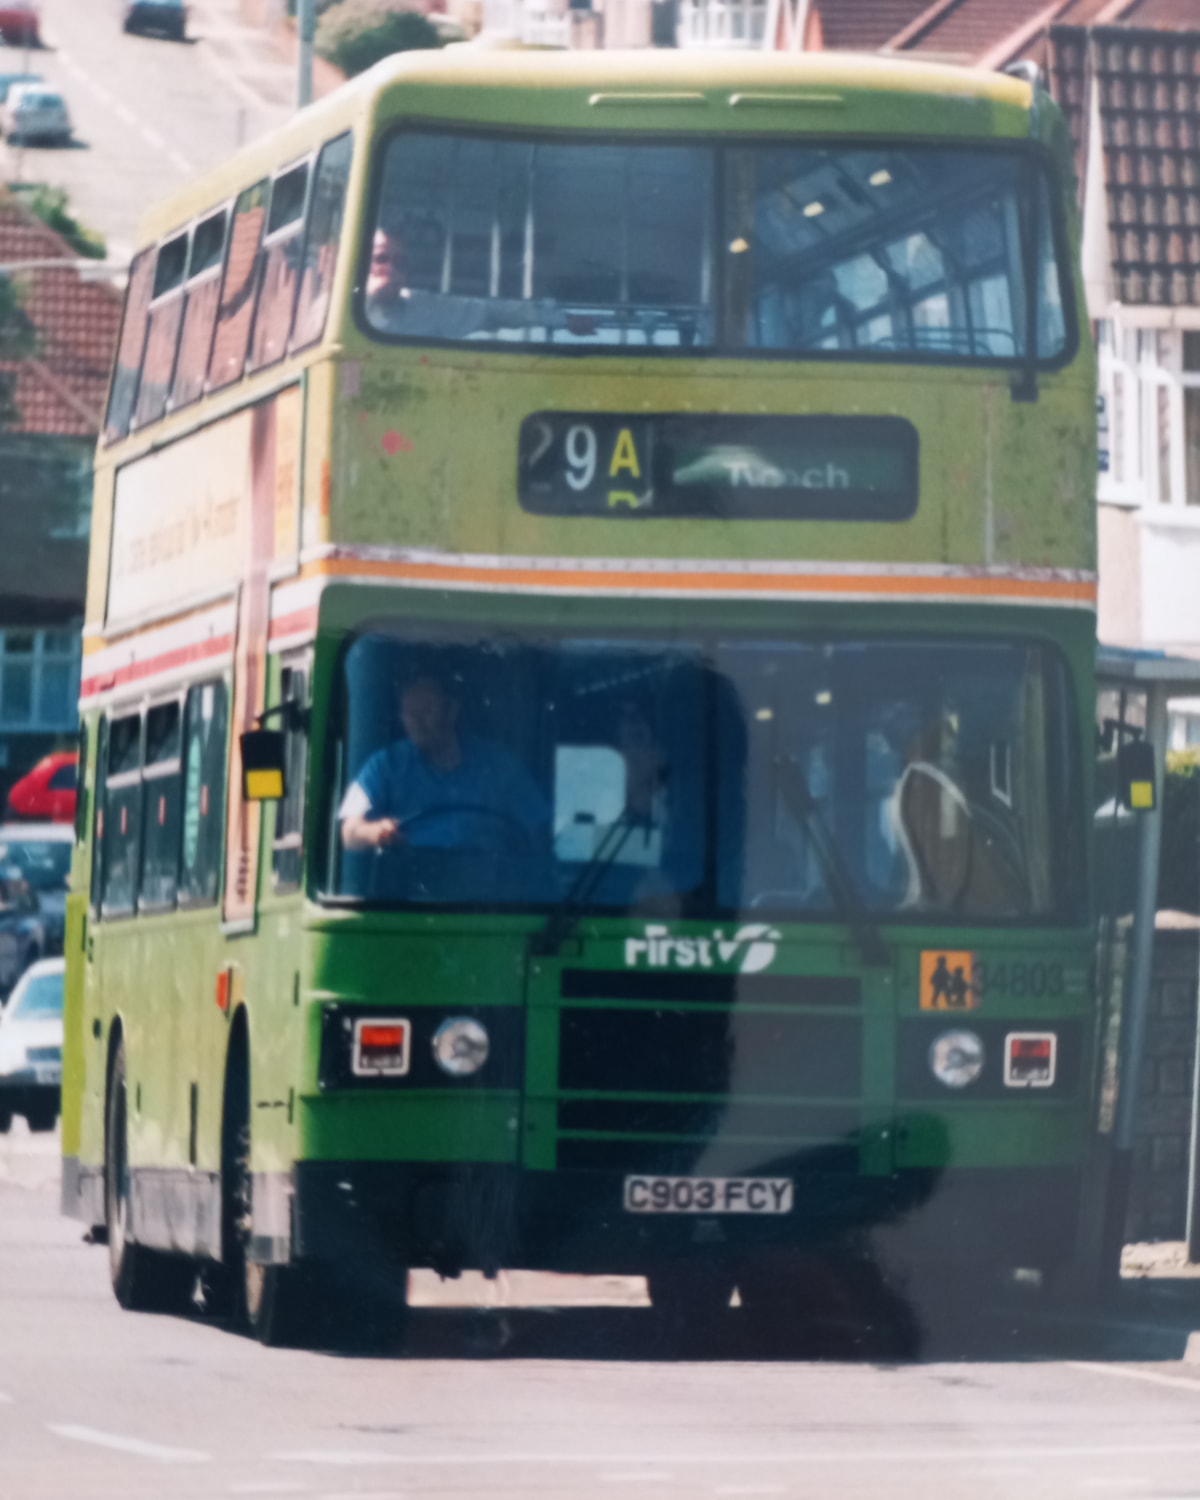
(609, 580)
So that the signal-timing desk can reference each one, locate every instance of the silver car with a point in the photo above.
(31, 1038)
(34, 112)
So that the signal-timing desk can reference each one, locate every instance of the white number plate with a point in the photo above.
(47, 1073)
(708, 1195)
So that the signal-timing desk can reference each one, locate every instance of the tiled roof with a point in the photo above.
(60, 388)
(967, 30)
(865, 25)
(1147, 88)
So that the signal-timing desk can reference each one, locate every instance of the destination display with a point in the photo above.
(805, 468)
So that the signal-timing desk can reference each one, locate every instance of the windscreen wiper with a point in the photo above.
(563, 920)
(794, 785)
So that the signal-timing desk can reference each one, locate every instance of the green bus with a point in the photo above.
(587, 691)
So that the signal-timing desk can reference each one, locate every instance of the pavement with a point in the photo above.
(149, 113)
(543, 1395)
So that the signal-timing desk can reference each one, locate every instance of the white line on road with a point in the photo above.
(750, 1489)
(636, 1476)
(1107, 1482)
(178, 159)
(101, 93)
(1180, 1382)
(126, 116)
(268, 1487)
(152, 138)
(135, 1446)
(1032, 1456)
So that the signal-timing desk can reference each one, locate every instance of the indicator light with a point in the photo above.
(380, 1047)
(1030, 1059)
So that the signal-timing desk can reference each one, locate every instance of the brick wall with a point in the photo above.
(1158, 1199)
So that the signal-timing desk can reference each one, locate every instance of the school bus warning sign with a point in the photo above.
(948, 980)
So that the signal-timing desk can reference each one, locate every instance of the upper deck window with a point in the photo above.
(203, 293)
(890, 252)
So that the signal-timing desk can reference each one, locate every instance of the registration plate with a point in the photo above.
(47, 1073)
(708, 1195)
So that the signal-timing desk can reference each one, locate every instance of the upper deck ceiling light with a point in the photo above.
(739, 246)
(813, 209)
(880, 178)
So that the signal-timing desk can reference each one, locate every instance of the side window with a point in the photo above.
(240, 287)
(162, 786)
(281, 268)
(325, 218)
(79, 782)
(98, 815)
(202, 295)
(288, 854)
(122, 817)
(128, 368)
(203, 817)
(162, 338)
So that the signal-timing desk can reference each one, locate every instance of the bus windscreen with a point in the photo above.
(705, 778)
(887, 251)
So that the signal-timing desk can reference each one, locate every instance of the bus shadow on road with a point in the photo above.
(884, 1326)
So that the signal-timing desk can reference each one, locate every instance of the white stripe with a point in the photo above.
(135, 1446)
(756, 1457)
(1122, 1372)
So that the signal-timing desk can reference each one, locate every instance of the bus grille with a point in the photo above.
(773, 1084)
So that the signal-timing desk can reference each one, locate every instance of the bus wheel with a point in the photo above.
(275, 1305)
(143, 1280)
(5, 1120)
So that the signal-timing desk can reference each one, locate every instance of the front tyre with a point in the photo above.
(689, 1299)
(143, 1280)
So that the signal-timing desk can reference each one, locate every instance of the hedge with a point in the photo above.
(1179, 861)
(356, 34)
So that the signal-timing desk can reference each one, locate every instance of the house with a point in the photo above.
(57, 388)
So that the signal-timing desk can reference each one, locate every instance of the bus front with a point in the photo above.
(703, 673)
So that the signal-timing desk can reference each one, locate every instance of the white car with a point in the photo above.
(34, 112)
(31, 1038)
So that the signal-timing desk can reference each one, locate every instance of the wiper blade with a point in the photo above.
(563, 920)
(867, 937)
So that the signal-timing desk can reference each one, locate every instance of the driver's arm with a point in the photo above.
(362, 827)
(371, 833)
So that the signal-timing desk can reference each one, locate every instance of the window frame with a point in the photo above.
(190, 284)
(295, 229)
(221, 683)
(123, 780)
(153, 772)
(291, 810)
(1045, 170)
(159, 303)
(1147, 358)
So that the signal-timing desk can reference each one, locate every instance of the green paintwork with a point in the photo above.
(1002, 483)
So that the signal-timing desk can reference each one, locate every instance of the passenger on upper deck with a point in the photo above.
(439, 789)
(395, 307)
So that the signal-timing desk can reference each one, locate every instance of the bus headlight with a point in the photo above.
(460, 1046)
(956, 1058)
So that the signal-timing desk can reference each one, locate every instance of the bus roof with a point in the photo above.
(653, 90)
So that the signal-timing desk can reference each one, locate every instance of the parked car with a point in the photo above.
(166, 16)
(22, 931)
(20, 23)
(9, 79)
(35, 112)
(31, 1037)
(48, 791)
(40, 853)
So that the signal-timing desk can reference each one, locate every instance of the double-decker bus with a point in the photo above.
(587, 681)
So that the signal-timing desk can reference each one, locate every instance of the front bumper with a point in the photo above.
(454, 1217)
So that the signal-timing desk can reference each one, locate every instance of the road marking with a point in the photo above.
(339, 1457)
(101, 93)
(1106, 1482)
(177, 159)
(126, 116)
(636, 1476)
(1180, 1382)
(134, 1446)
(914, 1454)
(750, 1489)
(152, 138)
(268, 1487)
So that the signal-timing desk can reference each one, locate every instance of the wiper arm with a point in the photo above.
(563, 920)
(867, 937)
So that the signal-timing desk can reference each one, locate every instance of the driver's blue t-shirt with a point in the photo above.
(398, 782)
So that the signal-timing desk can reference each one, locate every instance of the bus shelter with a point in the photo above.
(1133, 691)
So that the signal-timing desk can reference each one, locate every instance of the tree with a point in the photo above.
(16, 343)
(356, 34)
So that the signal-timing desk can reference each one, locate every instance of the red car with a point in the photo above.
(19, 23)
(48, 791)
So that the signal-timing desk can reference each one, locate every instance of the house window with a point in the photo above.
(39, 679)
(1149, 415)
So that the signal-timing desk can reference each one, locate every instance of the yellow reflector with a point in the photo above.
(1141, 795)
(264, 786)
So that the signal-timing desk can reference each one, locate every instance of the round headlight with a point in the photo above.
(956, 1058)
(460, 1046)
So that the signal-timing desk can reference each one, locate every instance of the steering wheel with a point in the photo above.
(441, 809)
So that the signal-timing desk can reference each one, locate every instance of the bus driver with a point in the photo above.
(439, 789)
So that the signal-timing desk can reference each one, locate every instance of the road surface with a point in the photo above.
(537, 1403)
(149, 113)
